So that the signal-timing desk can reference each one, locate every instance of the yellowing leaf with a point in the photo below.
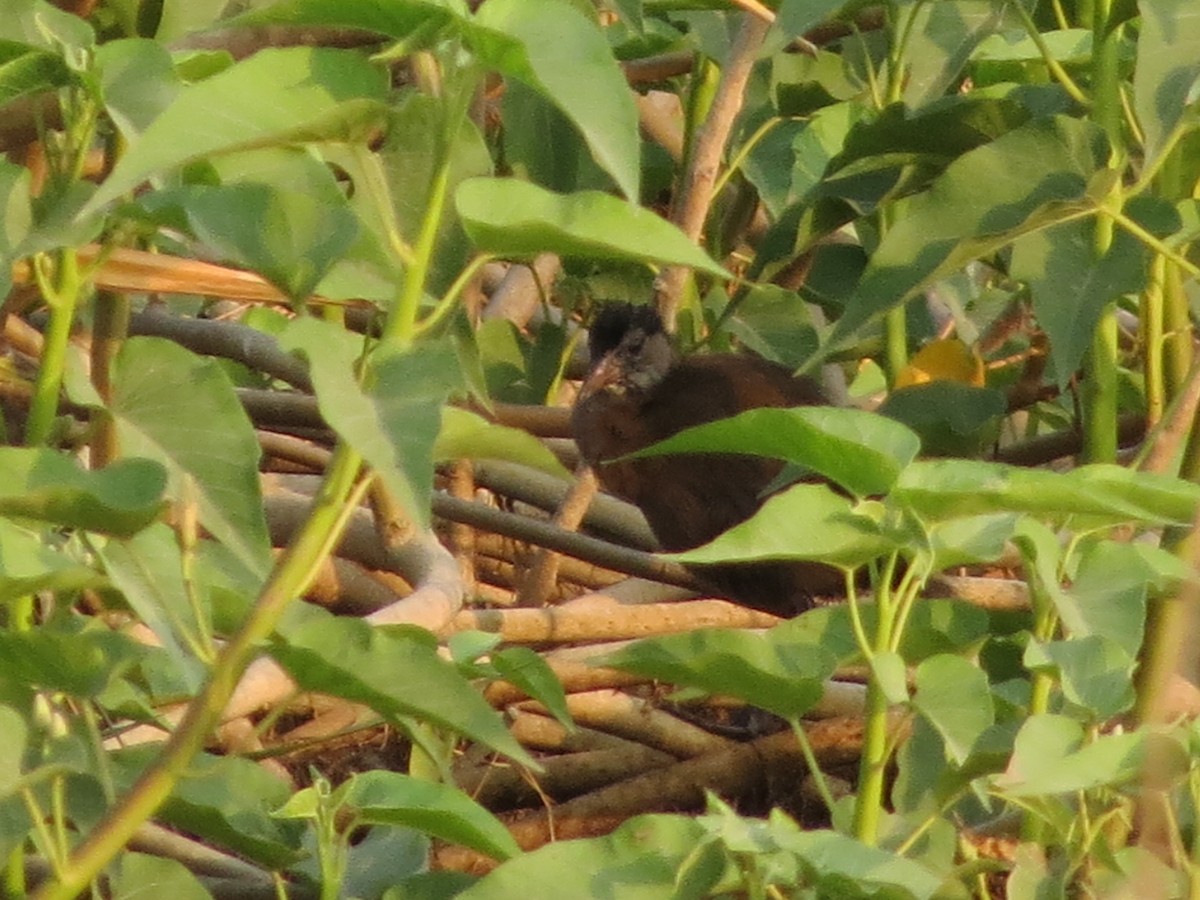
(948, 359)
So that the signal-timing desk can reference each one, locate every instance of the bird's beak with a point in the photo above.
(606, 375)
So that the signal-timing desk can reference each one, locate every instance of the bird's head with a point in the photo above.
(629, 350)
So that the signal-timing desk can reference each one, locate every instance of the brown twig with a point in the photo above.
(695, 192)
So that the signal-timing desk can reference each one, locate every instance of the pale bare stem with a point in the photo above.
(695, 192)
(536, 585)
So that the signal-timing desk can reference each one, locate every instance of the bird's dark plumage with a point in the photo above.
(638, 393)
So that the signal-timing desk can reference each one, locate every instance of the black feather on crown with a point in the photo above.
(614, 321)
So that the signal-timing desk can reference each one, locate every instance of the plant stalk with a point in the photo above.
(293, 573)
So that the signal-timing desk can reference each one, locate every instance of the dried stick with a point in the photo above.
(543, 572)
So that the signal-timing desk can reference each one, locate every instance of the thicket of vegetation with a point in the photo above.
(982, 212)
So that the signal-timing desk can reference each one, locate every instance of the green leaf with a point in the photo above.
(29, 564)
(952, 419)
(137, 81)
(1107, 596)
(776, 324)
(806, 521)
(276, 96)
(395, 18)
(1096, 673)
(530, 672)
(1071, 283)
(148, 570)
(514, 218)
(12, 751)
(466, 435)
(223, 800)
(390, 798)
(180, 410)
(774, 671)
(933, 626)
(943, 35)
(396, 672)
(839, 860)
(1050, 757)
(415, 148)
(1167, 72)
(43, 25)
(394, 422)
(861, 451)
(554, 49)
(638, 861)
(291, 238)
(953, 695)
(140, 875)
(82, 664)
(948, 489)
(24, 70)
(1024, 179)
(119, 499)
(546, 148)
(974, 539)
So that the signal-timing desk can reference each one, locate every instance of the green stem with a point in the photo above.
(62, 297)
(1177, 341)
(868, 805)
(291, 576)
(108, 333)
(450, 300)
(1100, 391)
(1053, 65)
(1152, 322)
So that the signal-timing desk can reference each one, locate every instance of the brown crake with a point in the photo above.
(637, 393)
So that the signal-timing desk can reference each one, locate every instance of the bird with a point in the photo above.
(637, 392)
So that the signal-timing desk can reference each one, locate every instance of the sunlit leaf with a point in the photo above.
(806, 521)
(773, 671)
(390, 798)
(862, 452)
(394, 672)
(465, 435)
(515, 218)
(275, 96)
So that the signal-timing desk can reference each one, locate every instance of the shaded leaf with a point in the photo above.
(554, 49)
(953, 695)
(1024, 179)
(180, 410)
(82, 664)
(1168, 70)
(120, 499)
(224, 800)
